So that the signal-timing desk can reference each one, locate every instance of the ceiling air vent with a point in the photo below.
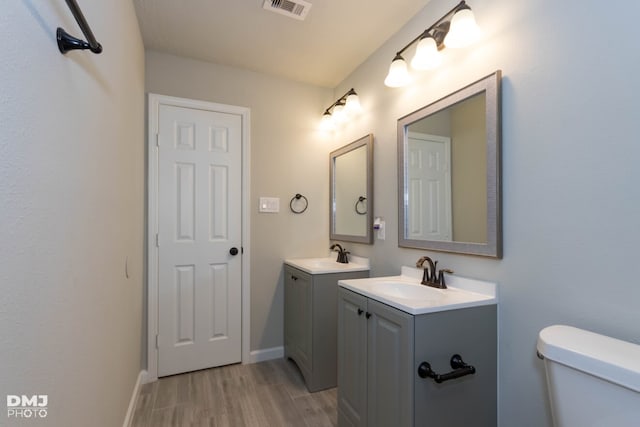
(296, 9)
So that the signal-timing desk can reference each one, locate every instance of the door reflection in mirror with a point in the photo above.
(446, 167)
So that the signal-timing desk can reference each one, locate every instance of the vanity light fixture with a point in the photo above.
(339, 112)
(456, 29)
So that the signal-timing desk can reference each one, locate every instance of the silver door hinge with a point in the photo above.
(157, 140)
(157, 241)
(157, 341)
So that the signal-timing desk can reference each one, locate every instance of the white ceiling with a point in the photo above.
(336, 36)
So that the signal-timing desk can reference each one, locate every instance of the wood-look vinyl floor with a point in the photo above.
(270, 394)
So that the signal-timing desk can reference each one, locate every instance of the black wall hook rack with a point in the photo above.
(67, 42)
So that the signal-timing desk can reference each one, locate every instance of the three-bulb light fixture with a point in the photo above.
(340, 111)
(456, 29)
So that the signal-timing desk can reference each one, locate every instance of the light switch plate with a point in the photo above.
(380, 230)
(269, 204)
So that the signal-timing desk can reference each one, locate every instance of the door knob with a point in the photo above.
(233, 251)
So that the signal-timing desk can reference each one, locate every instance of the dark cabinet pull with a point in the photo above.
(460, 369)
(368, 315)
(360, 311)
(294, 277)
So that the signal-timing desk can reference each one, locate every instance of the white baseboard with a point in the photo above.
(147, 378)
(134, 398)
(266, 354)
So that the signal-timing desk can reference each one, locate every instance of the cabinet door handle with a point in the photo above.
(294, 277)
(360, 311)
(368, 315)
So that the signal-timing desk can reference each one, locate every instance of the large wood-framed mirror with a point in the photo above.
(449, 173)
(351, 192)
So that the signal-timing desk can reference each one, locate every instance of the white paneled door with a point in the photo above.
(429, 182)
(199, 237)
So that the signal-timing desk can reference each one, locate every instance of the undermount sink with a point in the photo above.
(328, 265)
(405, 292)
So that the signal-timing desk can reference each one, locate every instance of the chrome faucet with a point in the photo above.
(430, 277)
(342, 254)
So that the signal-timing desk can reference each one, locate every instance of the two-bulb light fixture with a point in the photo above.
(456, 29)
(340, 111)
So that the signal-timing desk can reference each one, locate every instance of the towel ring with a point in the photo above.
(361, 199)
(298, 196)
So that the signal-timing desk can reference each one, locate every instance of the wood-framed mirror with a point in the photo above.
(351, 192)
(449, 172)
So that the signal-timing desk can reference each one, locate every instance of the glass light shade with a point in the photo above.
(339, 115)
(353, 104)
(427, 55)
(398, 73)
(463, 30)
(326, 123)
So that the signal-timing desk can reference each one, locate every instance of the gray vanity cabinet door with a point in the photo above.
(352, 359)
(304, 330)
(298, 318)
(389, 365)
(289, 313)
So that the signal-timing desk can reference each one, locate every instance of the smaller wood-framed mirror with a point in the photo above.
(351, 192)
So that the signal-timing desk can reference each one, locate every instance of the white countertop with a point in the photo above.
(405, 292)
(329, 264)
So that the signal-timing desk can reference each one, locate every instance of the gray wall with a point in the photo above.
(571, 199)
(288, 156)
(71, 211)
(469, 171)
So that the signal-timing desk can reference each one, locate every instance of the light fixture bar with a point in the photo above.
(340, 111)
(343, 98)
(456, 28)
(439, 35)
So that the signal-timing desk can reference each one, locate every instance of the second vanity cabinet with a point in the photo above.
(380, 349)
(310, 323)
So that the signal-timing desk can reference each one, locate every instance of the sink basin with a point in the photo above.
(323, 263)
(328, 265)
(398, 289)
(405, 292)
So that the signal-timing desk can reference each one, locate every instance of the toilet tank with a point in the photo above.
(593, 380)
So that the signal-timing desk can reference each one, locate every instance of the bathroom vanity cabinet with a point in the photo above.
(380, 349)
(310, 323)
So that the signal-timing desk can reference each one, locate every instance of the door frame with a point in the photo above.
(154, 102)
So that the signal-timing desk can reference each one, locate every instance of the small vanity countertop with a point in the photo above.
(405, 292)
(329, 265)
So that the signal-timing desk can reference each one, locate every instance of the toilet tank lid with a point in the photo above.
(608, 358)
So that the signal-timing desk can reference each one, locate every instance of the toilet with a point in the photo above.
(593, 380)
